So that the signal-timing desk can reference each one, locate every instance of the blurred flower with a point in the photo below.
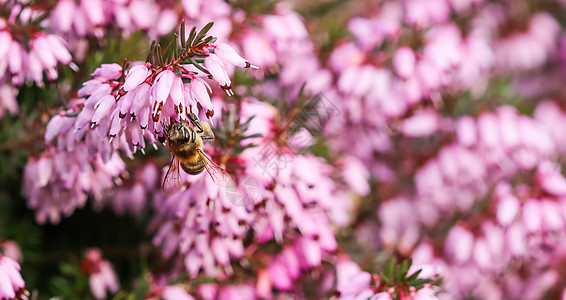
(59, 181)
(102, 277)
(42, 51)
(11, 249)
(173, 292)
(92, 17)
(8, 99)
(12, 285)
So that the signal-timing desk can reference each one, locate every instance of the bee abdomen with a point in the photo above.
(193, 168)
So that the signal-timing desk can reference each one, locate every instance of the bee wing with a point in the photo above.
(171, 182)
(218, 175)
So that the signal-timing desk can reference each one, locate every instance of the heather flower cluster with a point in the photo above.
(28, 53)
(120, 110)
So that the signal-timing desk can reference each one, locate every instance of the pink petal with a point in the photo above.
(421, 124)
(59, 50)
(141, 98)
(103, 108)
(220, 252)
(311, 253)
(217, 69)
(279, 277)
(43, 52)
(459, 244)
(5, 42)
(507, 209)
(173, 292)
(200, 92)
(15, 54)
(226, 53)
(163, 84)
(97, 287)
(404, 62)
(6, 288)
(44, 171)
(136, 76)
(177, 91)
(553, 183)
(94, 11)
(532, 215)
(482, 255)
(61, 15)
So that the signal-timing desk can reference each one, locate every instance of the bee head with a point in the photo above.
(178, 133)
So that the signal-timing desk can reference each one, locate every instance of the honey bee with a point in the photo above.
(185, 143)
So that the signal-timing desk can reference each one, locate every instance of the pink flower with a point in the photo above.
(236, 292)
(550, 179)
(351, 279)
(200, 92)
(173, 292)
(102, 276)
(11, 283)
(227, 54)
(219, 72)
(8, 99)
(11, 249)
(421, 124)
(459, 244)
(263, 286)
(404, 62)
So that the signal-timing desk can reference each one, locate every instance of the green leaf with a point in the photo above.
(403, 269)
(246, 124)
(68, 269)
(237, 151)
(60, 283)
(419, 283)
(390, 267)
(414, 276)
(198, 66)
(158, 55)
(192, 35)
(204, 31)
(199, 53)
(169, 49)
(150, 55)
(182, 34)
(251, 136)
(210, 39)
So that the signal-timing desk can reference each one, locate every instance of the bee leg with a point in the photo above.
(195, 122)
(194, 136)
